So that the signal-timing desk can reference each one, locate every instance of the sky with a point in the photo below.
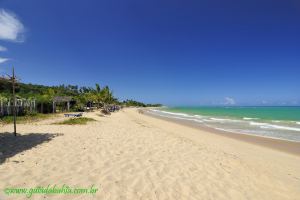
(202, 52)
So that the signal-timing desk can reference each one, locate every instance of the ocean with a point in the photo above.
(273, 122)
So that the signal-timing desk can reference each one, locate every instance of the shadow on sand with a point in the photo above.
(11, 145)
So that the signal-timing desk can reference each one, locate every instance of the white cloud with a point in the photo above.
(2, 48)
(10, 27)
(264, 102)
(2, 60)
(229, 101)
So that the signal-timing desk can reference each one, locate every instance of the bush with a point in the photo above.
(73, 121)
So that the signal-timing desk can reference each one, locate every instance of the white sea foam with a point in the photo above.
(249, 118)
(171, 113)
(275, 128)
(217, 119)
(223, 120)
(258, 123)
(272, 126)
(276, 121)
(182, 118)
(199, 116)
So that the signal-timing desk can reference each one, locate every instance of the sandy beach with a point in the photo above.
(291, 147)
(129, 155)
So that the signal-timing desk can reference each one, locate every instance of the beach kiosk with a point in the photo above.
(61, 100)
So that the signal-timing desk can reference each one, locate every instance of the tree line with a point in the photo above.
(81, 96)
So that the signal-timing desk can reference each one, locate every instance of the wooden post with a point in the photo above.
(53, 106)
(34, 105)
(14, 101)
(8, 107)
(1, 108)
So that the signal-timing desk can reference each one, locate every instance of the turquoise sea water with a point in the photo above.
(264, 113)
(274, 122)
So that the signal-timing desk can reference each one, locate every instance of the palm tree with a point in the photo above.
(107, 95)
(81, 101)
(97, 95)
(45, 98)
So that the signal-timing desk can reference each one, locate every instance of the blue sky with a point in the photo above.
(209, 52)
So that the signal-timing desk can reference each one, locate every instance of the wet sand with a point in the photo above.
(276, 144)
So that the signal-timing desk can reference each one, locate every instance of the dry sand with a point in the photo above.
(133, 156)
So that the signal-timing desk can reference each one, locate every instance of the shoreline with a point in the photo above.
(286, 146)
(128, 155)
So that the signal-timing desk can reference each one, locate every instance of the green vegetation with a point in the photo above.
(29, 118)
(82, 97)
(73, 121)
(139, 104)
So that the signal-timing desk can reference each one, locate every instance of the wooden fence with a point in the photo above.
(22, 106)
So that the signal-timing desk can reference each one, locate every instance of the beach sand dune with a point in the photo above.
(128, 155)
